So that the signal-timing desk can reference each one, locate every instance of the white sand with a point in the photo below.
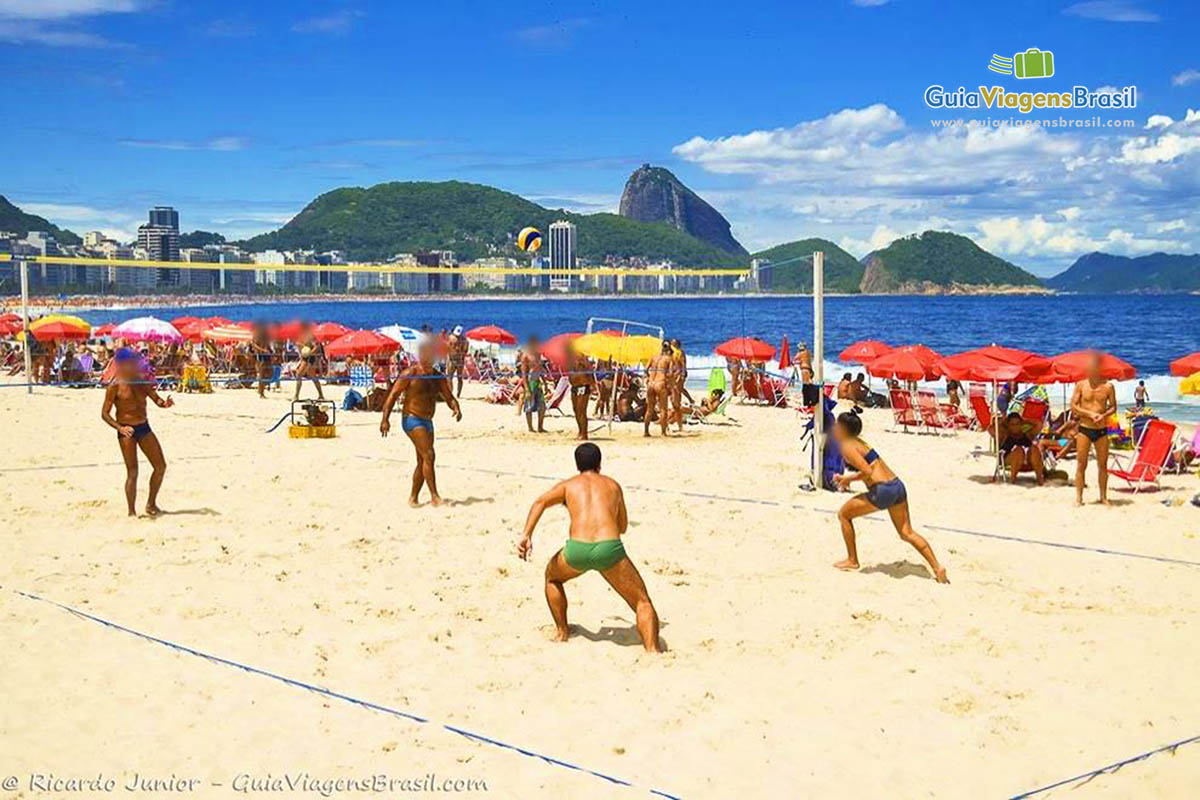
(785, 677)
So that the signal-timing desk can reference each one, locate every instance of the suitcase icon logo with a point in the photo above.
(1033, 63)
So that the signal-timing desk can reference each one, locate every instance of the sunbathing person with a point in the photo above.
(421, 386)
(128, 393)
(598, 520)
(630, 407)
(885, 491)
(1018, 450)
(707, 406)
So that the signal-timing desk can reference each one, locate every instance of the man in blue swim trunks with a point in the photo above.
(531, 372)
(598, 518)
(128, 393)
(422, 385)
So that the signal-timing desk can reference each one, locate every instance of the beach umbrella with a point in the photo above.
(995, 364)
(1186, 366)
(287, 331)
(8, 328)
(747, 349)
(147, 329)
(179, 322)
(226, 333)
(1071, 367)
(905, 364)
(328, 331)
(627, 350)
(863, 351)
(491, 333)
(1190, 385)
(59, 326)
(193, 331)
(555, 348)
(103, 331)
(785, 358)
(398, 333)
(361, 343)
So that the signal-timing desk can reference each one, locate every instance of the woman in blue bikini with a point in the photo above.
(884, 492)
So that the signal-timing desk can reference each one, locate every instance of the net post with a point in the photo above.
(24, 265)
(819, 367)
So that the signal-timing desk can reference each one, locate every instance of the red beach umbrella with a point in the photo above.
(863, 351)
(785, 357)
(103, 330)
(747, 349)
(179, 322)
(1186, 366)
(1070, 367)
(288, 331)
(555, 348)
(329, 331)
(905, 364)
(995, 363)
(361, 343)
(10, 317)
(491, 333)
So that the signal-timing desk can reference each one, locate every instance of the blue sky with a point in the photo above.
(792, 119)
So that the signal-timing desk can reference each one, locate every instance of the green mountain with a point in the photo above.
(1103, 273)
(938, 261)
(200, 239)
(843, 272)
(14, 220)
(473, 221)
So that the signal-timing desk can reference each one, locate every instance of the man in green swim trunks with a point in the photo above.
(598, 518)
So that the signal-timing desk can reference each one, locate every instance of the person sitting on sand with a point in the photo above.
(629, 405)
(1018, 450)
(598, 520)
(858, 389)
(885, 492)
(1094, 400)
(708, 405)
(844, 392)
(128, 393)
(421, 385)
(659, 374)
(529, 361)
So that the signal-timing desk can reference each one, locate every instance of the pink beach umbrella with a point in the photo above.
(147, 329)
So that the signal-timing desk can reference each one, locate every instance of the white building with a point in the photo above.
(564, 257)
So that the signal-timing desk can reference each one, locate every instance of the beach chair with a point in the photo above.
(982, 410)
(750, 387)
(504, 394)
(1035, 411)
(903, 413)
(772, 392)
(1149, 460)
(362, 378)
(561, 390)
(931, 413)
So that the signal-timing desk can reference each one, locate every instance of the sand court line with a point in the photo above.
(1109, 768)
(832, 512)
(48, 467)
(366, 704)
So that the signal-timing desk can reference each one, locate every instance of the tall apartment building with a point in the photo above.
(160, 239)
(564, 258)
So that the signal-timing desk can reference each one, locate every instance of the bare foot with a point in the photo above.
(414, 502)
(436, 500)
(847, 565)
(561, 635)
(941, 575)
(152, 510)
(133, 512)
(541, 430)
(1104, 501)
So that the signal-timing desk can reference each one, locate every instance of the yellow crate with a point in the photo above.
(312, 431)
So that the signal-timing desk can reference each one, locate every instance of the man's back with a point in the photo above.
(596, 505)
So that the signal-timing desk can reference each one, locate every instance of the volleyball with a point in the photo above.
(529, 239)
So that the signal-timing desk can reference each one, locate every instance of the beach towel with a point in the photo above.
(716, 380)
(351, 400)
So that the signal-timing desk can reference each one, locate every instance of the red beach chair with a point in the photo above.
(1154, 448)
(903, 413)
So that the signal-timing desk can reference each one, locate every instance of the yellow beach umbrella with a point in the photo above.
(627, 350)
(1190, 384)
(60, 326)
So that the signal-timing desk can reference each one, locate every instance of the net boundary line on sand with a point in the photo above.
(1109, 768)
(803, 507)
(370, 706)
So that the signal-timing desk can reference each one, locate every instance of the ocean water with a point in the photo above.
(1147, 331)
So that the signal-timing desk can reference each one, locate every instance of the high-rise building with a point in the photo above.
(160, 239)
(564, 259)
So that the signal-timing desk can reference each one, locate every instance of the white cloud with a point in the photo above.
(1112, 11)
(114, 223)
(337, 22)
(1172, 225)
(219, 143)
(558, 34)
(61, 9)
(27, 32)
(881, 237)
(869, 3)
(49, 22)
(1169, 140)
(1185, 77)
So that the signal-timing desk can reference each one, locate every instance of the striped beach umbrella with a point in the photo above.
(227, 333)
(59, 326)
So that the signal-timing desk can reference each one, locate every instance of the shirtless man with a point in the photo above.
(1094, 400)
(582, 380)
(598, 519)
(128, 392)
(530, 366)
(260, 346)
(658, 387)
(456, 349)
(421, 394)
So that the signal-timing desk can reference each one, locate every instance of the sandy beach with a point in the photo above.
(784, 677)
